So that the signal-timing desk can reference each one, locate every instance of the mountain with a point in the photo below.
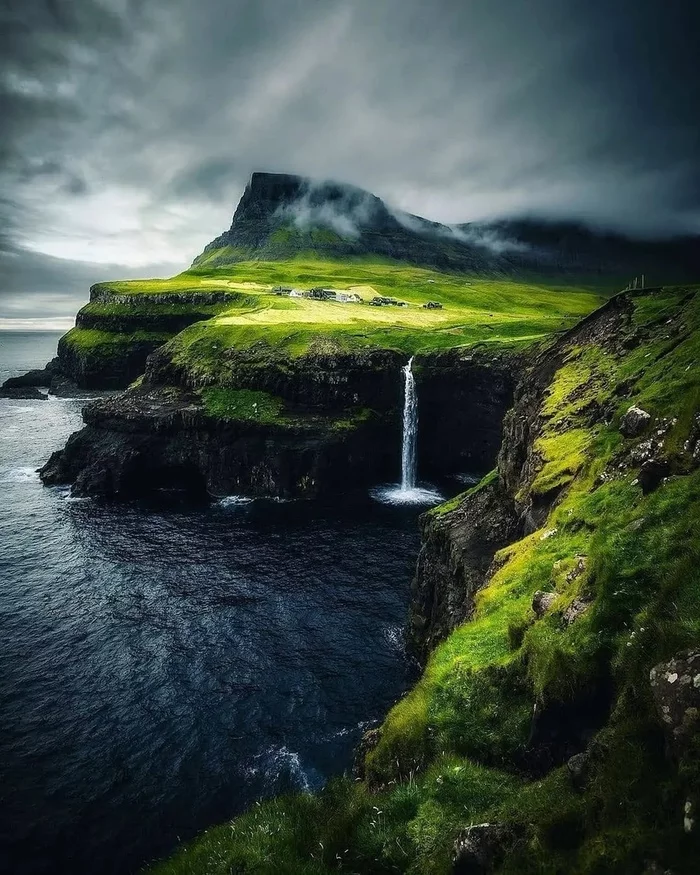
(281, 216)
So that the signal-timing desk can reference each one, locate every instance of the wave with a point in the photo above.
(282, 770)
(18, 475)
(233, 501)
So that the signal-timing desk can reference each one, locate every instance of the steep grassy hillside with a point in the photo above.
(601, 585)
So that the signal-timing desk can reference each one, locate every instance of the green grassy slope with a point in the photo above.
(450, 751)
(234, 307)
(473, 311)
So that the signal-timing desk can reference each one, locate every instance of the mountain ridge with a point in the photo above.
(281, 216)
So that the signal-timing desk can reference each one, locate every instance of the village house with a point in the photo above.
(321, 293)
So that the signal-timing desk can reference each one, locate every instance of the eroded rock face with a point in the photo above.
(518, 460)
(463, 398)
(634, 422)
(458, 549)
(368, 742)
(91, 369)
(159, 434)
(542, 602)
(675, 686)
(456, 553)
(576, 609)
(148, 439)
(325, 378)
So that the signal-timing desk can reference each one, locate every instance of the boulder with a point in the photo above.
(578, 767)
(675, 686)
(542, 602)
(483, 846)
(30, 393)
(652, 473)
(634, 422)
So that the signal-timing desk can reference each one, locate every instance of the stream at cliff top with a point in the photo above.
(163, 667)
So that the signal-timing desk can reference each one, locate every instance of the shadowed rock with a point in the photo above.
(634, 422)
(479, 849)
(675, 686)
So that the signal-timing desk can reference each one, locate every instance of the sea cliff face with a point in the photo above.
(461, 539)
(116, 331)
(318, 424)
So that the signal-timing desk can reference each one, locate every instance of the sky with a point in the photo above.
(128, 128)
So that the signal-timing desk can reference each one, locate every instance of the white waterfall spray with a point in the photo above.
(408, 492)
(410, 429)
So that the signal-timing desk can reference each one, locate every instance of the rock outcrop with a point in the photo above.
(340, 428)
(456, 553)
(634, 422)
(480, 848)
(149, 439)
(675, 686)
(28, 393)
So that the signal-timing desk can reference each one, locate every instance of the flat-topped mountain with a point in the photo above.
(281, 216)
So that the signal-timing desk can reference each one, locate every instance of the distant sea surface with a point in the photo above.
(163, 666)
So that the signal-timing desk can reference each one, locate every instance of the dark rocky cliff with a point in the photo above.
(459, 541)
(337, 425)
(151, 439)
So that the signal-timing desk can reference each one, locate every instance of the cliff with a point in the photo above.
(557, 608)
(279, 426)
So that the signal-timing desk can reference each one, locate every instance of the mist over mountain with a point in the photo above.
(281, 216)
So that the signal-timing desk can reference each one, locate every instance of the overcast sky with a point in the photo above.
(129, 127)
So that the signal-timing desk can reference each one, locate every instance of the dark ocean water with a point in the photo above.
(162, 667)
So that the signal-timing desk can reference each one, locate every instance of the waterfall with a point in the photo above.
(408, 492)
(410, 430)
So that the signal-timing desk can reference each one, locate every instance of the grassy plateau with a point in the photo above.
(246, 311)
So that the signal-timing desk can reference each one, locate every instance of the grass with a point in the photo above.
(475, 311)
(451, 751)
(242, 404)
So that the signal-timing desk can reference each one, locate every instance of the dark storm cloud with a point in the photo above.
(129, 127)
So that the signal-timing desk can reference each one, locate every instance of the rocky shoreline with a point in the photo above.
(338, 426)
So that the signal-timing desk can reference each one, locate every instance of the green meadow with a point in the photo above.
(474, 310)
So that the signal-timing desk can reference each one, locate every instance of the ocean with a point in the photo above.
(164, 666)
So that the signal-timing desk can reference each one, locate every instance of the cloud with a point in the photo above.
(130, 127)
(343, 208)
